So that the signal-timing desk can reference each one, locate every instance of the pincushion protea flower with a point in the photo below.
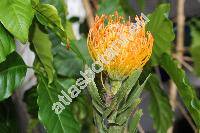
(121, 46)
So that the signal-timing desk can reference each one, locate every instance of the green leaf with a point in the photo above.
(82, 44)
(60, 45)
(196, 104)
(123, 117)
(185, 90)
(48, 15)
(109, 7)
(63, 58)
(159, 107)
(61, 8)
(98, 122)
(134, 121)
(16, 16)
(162, 29)
(134, 94)
(195, 46)
(123, 92)
(61, 123)
(75, 49)
(12, 73)
(74, 62)
(7, 44)
(131, 103)
(69, 31)
(42, 46)
(96, 99)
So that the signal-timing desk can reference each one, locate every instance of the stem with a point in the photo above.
(172, 94)
(180, 27)
(89, 12)
(179, 48)
(140, 128)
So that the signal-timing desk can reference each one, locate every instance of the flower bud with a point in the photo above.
(121, 46)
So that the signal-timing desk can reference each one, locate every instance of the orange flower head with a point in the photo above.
(121, 46)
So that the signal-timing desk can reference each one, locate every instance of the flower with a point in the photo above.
(121, 46)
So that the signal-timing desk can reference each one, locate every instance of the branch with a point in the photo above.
(179, 48)
(179, 45)
(140, 128)
(180, 27)
(89, 12)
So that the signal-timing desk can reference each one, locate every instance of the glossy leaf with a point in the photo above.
(47, 95)
(185, 90)
(48, 15)
(7, 44)
(162, 29)
(159, 107)
(16, 16)
(61, 8)
(12, 73)
(42, 46)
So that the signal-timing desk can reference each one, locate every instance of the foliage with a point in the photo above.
(162, 29)
(159, 106)
(7, 44)
(64, 122)
(185, 90)
(22, 14)
(195, 46)
(12, 73)
(59, 58)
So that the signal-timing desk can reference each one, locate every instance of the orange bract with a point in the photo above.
(130, 44)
